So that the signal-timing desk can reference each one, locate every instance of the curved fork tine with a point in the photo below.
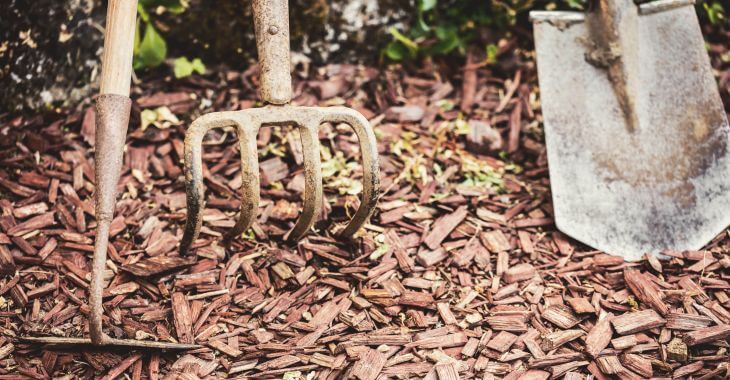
(194, 171)
(312, 181)
(250, 183)
(370, 166)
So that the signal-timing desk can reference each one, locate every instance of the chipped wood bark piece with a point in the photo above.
(573, 376)
(683, 372)
(450, 340)
(694, 290)
(182, 318)
(7, 350)
(599, 336)
(35, 223)
(560, 316)
(429, 258)
(502, 341)
(634, 322)
(557, 338)
(534, 374)
(443, 226)
(121, 367)
(606, 260)
(466, 256)
(707, 335)
(610, 365)
(470, 348)
(224, 348)
(496, 241)
(560, 369)
(511, 323)
(242, 366)
(625, 342)
(446, 371)
(638, 364)
(158, 264)
(445, 312)
(646, 290)
(689, 322)
(581, 305)
(369, 366)
(519, 272)
(552, 360)
(419, 299)
(7, 263)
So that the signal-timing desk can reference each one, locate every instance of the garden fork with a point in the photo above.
(271, 25)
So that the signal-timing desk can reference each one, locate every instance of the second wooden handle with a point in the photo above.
(116, 63)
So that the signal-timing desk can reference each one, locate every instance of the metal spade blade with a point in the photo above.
(640, 164)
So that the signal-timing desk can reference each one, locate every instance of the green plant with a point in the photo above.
(715, 11)
(443, 27)
(184, 67)
(446, 26)
(150, 49)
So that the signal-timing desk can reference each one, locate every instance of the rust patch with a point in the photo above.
(604, 51)
(697, 143)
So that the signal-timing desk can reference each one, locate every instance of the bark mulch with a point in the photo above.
(461, 273)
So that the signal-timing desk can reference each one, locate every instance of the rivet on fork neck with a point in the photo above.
(273, 29)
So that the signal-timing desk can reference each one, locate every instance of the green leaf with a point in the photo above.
(292, 375)
(198, 66)
(448, 40)
(411, 45)
(143, 14)
(137, 40)
(427, 5)
(183, 67)
(715, 12)
(492, 51)
(152, 50)
(172, 6)
(396, 51)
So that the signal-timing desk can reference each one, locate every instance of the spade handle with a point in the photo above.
(271, 25)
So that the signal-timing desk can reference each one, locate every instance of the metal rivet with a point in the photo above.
(273, 29)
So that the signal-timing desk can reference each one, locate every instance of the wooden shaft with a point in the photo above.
(116, 63)
(271, 24)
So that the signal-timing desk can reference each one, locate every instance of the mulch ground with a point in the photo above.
(460, 274)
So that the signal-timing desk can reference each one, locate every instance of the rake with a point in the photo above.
(112, 117)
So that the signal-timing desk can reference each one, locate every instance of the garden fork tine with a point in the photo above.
(271, 23)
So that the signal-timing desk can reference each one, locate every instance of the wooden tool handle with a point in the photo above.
(116, 63)
(271, 24)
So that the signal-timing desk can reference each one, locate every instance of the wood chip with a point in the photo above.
(630, 323)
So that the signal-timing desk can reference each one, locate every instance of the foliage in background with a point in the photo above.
(716, 11)
(150, 49)
(443, 27)
(448, 26)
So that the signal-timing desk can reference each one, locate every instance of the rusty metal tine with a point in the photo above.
(250, 180)
(312, 181)
(370, 167)
(194, 169)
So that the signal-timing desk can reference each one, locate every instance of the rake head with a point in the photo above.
(247, 124)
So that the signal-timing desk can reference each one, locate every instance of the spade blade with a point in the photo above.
(663, 183)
